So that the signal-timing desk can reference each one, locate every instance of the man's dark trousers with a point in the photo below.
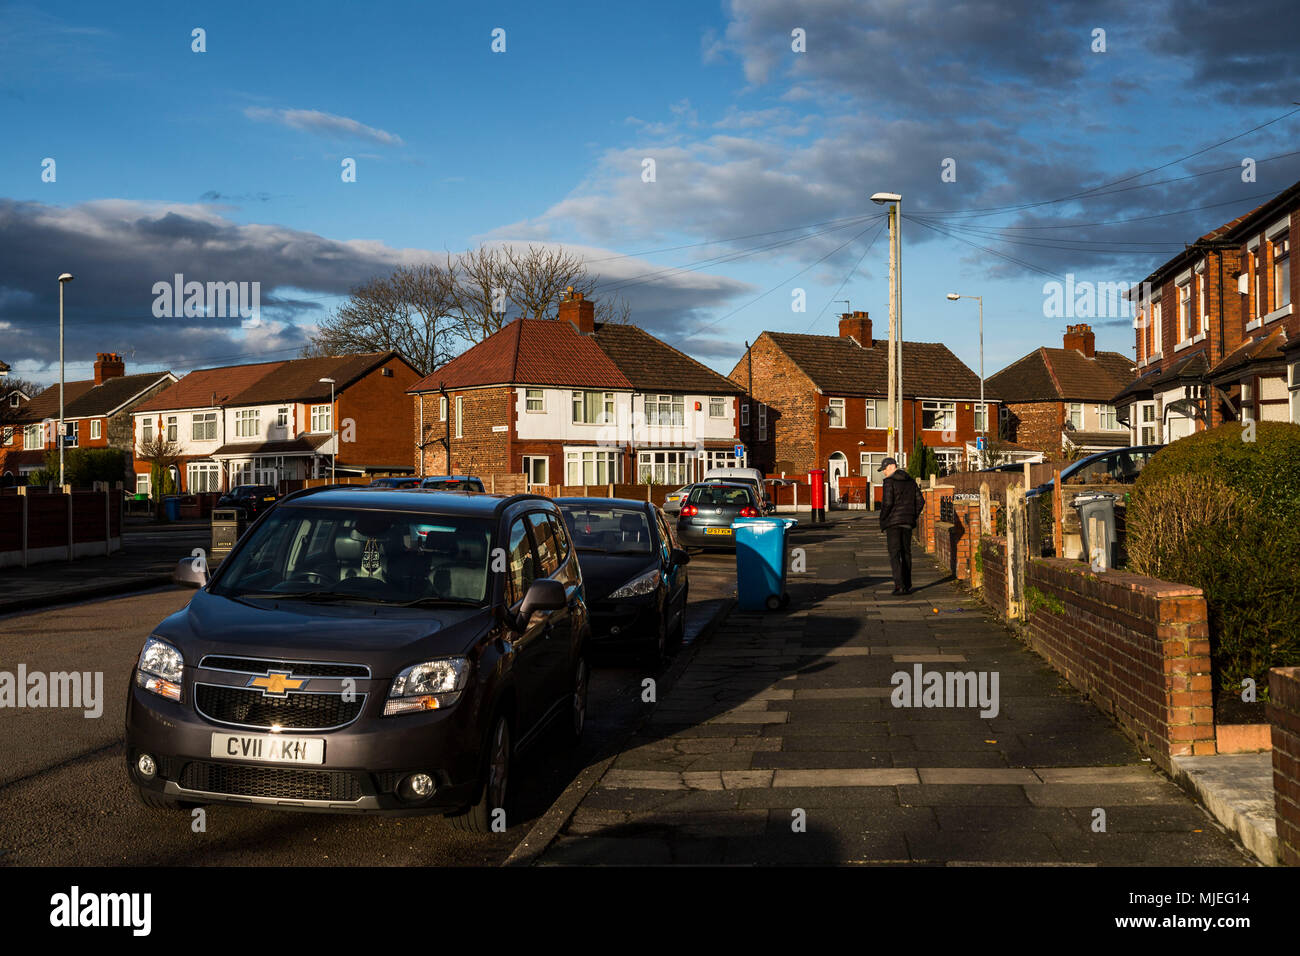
(899, 541)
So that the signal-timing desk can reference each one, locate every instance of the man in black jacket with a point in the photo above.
(900, 506)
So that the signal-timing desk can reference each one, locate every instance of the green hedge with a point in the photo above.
(1223, 514)
(82, 467)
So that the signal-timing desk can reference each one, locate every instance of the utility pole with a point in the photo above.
(895, 442)
(63, 280)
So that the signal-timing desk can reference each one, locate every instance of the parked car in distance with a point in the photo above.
(358, 651)
(634, 574)
(673, 502)
(1009, 466)
(750, 476)
(404, 481)
(452, 483)
(709, 510)
(250, 499)
(1119, 466)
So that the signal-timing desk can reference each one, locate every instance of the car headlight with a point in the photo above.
(639, 586)
(160, 669)
(432, 685)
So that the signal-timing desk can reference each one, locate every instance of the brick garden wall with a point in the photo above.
(1138, 646)
(993, 584)
(1284, 715)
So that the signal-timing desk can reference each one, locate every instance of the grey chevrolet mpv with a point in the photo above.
(366, 650)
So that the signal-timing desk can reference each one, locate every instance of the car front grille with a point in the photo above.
(254, 665)
(271, 782)
(250, 708)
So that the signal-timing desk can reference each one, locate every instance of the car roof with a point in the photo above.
(412, 500)
(628, 503)
(450, 478)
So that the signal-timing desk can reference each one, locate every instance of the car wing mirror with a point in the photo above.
(191, 572)
(680, 556)
(543, 595)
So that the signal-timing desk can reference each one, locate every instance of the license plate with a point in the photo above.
(269, 747)
(268, 499)
(717, 531)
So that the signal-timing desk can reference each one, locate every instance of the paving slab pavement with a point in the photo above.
(779, 743)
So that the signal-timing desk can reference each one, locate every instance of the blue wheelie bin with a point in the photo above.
(762, 555)
(172, 507)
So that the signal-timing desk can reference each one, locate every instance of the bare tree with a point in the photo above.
(411, 312)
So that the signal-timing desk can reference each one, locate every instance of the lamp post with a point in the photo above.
(984, 408)
(334, 430)
(63, 280)
(895, 201)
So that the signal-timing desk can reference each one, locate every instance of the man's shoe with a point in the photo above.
(898, 591)
(905, 591)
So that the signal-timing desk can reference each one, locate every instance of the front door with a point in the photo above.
(839, 468)
(537, 469)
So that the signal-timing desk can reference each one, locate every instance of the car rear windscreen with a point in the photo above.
(612, 530)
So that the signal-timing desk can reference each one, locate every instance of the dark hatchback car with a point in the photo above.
(250, 499)
(709, 510)
(1118, 466)
(407, 481)
(453, 483)
(366, 650)
(634, 574)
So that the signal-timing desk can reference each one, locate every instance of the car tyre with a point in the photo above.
(577, 719)
(494, 787)
(678, 635)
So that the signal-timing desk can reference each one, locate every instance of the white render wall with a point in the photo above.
(555, 422)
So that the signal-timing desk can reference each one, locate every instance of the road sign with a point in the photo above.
(981, 442)
(740, 451)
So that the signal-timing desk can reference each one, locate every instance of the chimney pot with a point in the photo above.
(579, 312)
(108, 365)
(856, 325)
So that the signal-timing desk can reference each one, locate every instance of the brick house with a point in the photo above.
(821, 401)
(572, 401)
(1217, 335)
(271, 422)
(96, 413)
(1058, 399)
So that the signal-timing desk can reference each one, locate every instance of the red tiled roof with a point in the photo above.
(197, 389)
(530, 352)
(651, 364)
(88, 400)
(840, 366)
(1050, 375)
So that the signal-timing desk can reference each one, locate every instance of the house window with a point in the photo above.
(875, 413)
(762, 423)
(949, 460)
(719, 459)
(1202, 303)
(146, 430)
(663, 467)
(1293, 374)
(744, 414)
(665, 410)
(981, 418)
(1157, 329)
(593, 408)
(868, 462)
(442, 408)
(72, 429)
(534, 401)
(1281, 272)
(837, 413)
(1247, 402)
(31, 437)
(1252, 273)
(173, 431)
(203, 426)
(1148, 427)
(203, 476)
(460, 416)
(1185, 332)
(322, 418)
(142, 484)
(14, 399)
(282, 418)
(537, 468)
(1076, 415)
(94, 429)
(247, 423)
(717, 407)
(1106, 417)
(941, 416)
(591, 467)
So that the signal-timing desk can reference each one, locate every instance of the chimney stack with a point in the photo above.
(1081, 338)
(857, 325)
(108, 365)
(578, 311)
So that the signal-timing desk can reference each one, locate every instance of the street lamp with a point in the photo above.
(63, 280)
(334, 429)
(984, 408)
(895, 313)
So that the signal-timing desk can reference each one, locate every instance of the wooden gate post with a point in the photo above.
(1017, 551)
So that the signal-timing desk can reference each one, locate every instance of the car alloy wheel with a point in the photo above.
(499, 766)
(581, 681)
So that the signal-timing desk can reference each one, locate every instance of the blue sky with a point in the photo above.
(225, 165)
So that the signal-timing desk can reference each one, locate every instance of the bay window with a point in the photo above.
(593, 408)
(591, 467)
(665, 410)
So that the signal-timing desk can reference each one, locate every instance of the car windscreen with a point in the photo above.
(380, 557)
(612, 530)
(719, 496)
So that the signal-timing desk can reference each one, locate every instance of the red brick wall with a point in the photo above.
(993, 583)
(1036, 425)
(1139, 647)
(383, 414)
(945, 546)
(792, 418)
(480, 450)
(1284, 715)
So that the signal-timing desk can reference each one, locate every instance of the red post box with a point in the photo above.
(817, 490)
